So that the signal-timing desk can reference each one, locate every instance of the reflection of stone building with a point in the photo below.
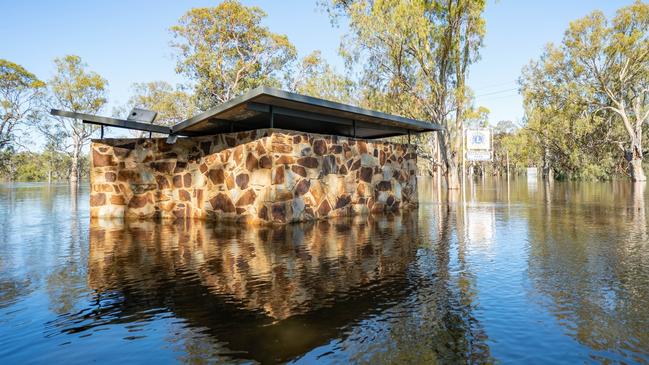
(248, 286)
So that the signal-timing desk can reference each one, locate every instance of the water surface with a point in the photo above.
(519, 272)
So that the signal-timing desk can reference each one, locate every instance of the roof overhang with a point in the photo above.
(266, 107)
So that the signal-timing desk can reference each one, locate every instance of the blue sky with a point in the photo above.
(128, 41)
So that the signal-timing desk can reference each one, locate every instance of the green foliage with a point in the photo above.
(225, 51)
(21, 93)
(76, 89)
(315, 77)
(173, 105)
(587, 100)
(32, 166)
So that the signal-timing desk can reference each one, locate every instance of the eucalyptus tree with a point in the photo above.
(74, 88)
(610, 61)
(173, 104)
(314, 76)
(21, 93)
(225, 50)
(590, 95)
(414, 57)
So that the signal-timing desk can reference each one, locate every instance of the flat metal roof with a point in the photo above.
(266, 107)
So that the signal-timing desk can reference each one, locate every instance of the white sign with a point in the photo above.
(478, 155)
(478, 139)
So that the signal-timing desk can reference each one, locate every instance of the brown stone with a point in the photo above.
(184, 195)
(238, 155)
(355, 165)
(216, 176)
(265, 162)
(248, 197)
(343, 201)
(285, 160)
(223, 203)
(165, 167)
(251, 162)
(97, 199)
(260, 149)
(324, 208)
(230, 141)
(308, 162)
(342, 170)
(383, 186)
(302, 187)
(263, 213)
(366, 174)
(282, 147)
(319, 147)
(203, 168)
(110, 176)
(178, 181)
(278, 211)
(390, 200)
(362, 147)
(278, 177)
(242, 181)
(187, 180)
(117, 200)
(336, 149)
(229, 182)
(138, 201)
(299, 170)
(99, 160)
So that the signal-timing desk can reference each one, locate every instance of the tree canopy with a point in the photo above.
(225, 50)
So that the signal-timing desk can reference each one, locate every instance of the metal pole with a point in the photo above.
(354, 127)
(408, 136)
(272, 117)
(102, 132)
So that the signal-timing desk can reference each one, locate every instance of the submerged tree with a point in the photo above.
(590, 95)
(415, 56)
(75, 89)
(20, 96)
(225, 50)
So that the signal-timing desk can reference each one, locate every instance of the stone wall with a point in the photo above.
(262, 176)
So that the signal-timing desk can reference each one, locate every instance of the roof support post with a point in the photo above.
(354, 126)
(272, 117)
(408, 136)
(102, 132)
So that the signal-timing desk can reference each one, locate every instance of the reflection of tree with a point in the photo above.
(591, 261)
(439, 325)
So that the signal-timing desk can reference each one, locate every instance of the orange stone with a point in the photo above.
(247, 198)
(97, 199)
(99, 160)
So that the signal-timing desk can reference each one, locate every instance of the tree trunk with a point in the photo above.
(452, 174)
(74, 169)
(634, 157)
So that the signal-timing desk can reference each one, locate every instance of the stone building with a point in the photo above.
(265, 157)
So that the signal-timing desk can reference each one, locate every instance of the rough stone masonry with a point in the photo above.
(265, 176)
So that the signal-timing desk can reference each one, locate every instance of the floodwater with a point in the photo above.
(519, 272)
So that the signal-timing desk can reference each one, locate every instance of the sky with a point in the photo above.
(128, 41)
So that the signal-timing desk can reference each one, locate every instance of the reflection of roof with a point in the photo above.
(266, 107)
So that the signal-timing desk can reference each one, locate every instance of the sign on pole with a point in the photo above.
(478, 144)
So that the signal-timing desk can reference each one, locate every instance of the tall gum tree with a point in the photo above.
(609, 62)
(413, 57)
(75, 89)
(225, 50)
